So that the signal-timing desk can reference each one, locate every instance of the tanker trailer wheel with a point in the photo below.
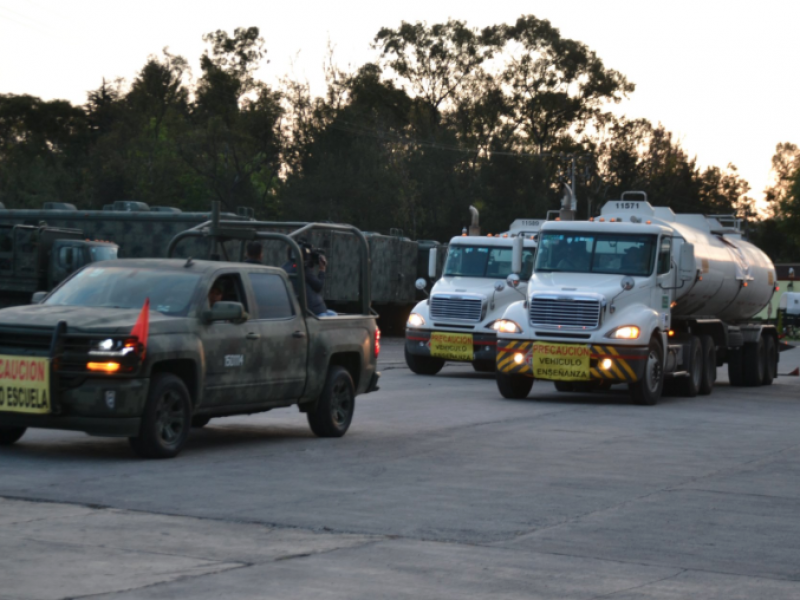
(755, 362)
(424, 365)
(709, 364)
(735, 366)
(771, 370)
(690, 386)
(514, 386)
(647, 390)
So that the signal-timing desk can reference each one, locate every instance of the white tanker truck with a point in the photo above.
(456, 322)
(640, 296)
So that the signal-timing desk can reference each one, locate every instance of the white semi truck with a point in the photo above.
(456, 321)
(640, 296)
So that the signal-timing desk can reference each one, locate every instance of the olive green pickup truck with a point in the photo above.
(225, 338)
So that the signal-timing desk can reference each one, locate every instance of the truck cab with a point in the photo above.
(39, 257)
(456, 322)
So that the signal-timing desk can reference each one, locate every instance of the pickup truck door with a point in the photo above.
(232, 351)
(284, 337)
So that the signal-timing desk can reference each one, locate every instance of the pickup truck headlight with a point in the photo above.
(112, 347)
(627, 332)
(415, 320)
(506, 326)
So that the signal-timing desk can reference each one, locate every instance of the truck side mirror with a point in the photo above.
(226, 311)
(516, 254)
(38, 297)
(687, 265)
(432, 263)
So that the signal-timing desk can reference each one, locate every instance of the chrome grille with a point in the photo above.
(445, 308)
(565, 312)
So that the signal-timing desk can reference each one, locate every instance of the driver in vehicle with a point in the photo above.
(215, 293)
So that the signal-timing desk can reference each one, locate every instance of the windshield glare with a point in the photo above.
(170, 292)
(577, 252)
(480, 261)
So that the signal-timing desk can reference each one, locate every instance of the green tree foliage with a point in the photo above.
(447, 116)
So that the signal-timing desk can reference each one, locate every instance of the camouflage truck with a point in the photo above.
(38, 257)
(90, 358)
(142, 231)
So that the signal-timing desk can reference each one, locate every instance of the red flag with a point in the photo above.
(142, 327)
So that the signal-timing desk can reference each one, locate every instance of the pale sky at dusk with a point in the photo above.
(722, 76)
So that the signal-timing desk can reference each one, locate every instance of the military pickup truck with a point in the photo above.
(221, 338)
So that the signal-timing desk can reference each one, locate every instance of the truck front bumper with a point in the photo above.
(99, 406)
(615, 364)
(484, 345)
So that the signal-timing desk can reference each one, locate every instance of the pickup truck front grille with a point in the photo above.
(583, 313)
(445, 308)
(29, 341)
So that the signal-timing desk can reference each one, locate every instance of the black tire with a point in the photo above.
(514, 386)
(484, 366)
(200, 421)
(423, 365)
(11, 435)
(332, 415)
(771, 367)
(755, 362)
(736, 366)
(166, 420)
(693, 363)
(647, 391)
(564, 386)
(709, 364)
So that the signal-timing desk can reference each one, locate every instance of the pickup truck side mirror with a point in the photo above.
(226, 311)
(38, 297)
(687, 265)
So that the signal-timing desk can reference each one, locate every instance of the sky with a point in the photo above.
(720, 75)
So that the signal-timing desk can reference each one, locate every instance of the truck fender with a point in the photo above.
(517, 312)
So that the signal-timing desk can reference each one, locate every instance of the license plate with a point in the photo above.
(452, 346)
(561, 362)
(24, 384)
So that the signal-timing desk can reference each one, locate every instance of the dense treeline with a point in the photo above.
(446, 116)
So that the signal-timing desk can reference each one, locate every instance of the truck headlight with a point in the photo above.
(112, 347)
(415, 320)
(627, 332)
(506, 326)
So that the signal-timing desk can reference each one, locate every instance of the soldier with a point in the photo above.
(215, 293)
(314, 283)
(254, 254)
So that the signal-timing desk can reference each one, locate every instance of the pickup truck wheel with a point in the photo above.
(10, 435)
(771, 367)
(336, 405)
(484, 366)
(755, 360)
(690, 386)
(424, 365)
(709, 364)
(166, 420)
(513, 386)
(648, 389)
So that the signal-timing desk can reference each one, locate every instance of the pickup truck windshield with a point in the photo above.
(578, 252)
(480, 261)
(170, 291)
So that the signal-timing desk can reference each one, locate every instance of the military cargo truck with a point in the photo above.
(38, 257)
(142, 231)
(219, 338)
